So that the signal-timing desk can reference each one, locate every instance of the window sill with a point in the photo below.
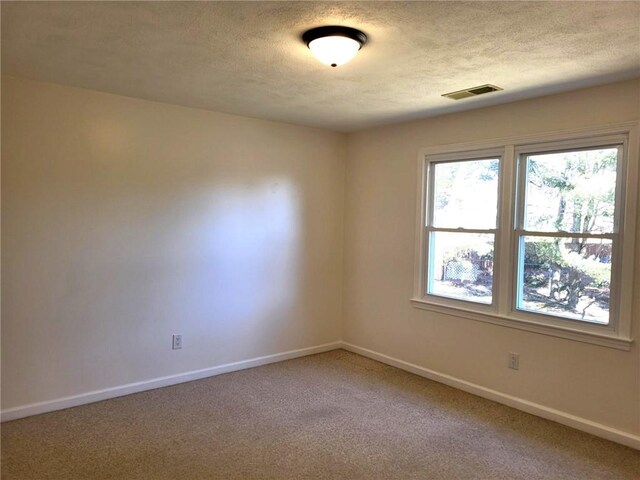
(604, 340)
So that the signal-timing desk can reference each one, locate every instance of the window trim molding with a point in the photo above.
(501, 312)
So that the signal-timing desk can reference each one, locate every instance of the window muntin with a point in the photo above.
(461, 229)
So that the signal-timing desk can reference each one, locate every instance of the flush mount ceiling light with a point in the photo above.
(334, 45)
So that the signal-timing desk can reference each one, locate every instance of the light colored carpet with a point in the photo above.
(335, 415)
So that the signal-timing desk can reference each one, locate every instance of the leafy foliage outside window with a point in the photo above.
(465, 199)
(569, 192)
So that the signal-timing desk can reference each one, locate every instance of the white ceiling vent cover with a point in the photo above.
(472, 92)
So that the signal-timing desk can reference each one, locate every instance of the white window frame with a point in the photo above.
(430, 161)
(502, 310)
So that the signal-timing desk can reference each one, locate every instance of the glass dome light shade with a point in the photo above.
(334, 44)
(334, 50)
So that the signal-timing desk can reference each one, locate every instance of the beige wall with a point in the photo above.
(125, 221)
(597, 383)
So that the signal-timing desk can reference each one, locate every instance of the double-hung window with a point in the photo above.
(461, 227)
(534, 233)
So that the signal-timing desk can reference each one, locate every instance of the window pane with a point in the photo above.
(567, 277)
(461, 266)
(571, 191)
(466, 194)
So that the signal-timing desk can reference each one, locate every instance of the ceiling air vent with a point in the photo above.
(472, 92)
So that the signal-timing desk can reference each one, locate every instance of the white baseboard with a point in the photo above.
(564, 418)
(107, 393)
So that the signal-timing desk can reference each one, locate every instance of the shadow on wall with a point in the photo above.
(130, 221)
(227, 266)
(219, 262)
(243, 255)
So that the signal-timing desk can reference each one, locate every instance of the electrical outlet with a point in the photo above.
(514, 360)
(177, 342)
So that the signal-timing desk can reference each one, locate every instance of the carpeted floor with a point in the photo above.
(335, 415)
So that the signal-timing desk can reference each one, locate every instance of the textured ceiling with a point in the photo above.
(246, 57)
